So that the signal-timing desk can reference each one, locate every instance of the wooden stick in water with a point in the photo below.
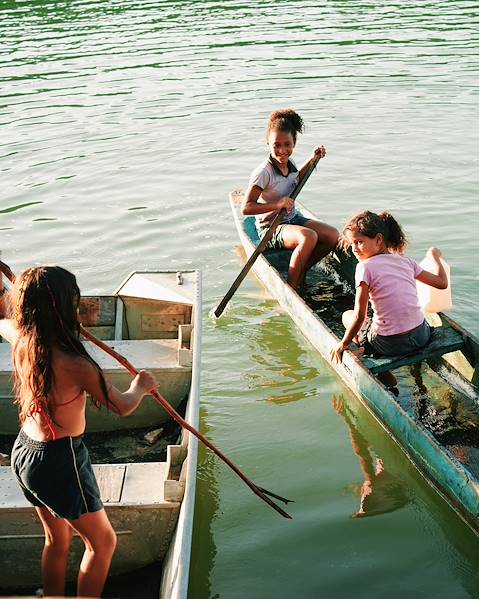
(262, 493)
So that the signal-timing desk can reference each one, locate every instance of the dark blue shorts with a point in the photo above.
(276, 242)
(394, 345)
(57, 475)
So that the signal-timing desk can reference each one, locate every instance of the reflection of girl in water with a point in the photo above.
(380, 492)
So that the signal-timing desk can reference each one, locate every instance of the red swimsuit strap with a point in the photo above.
(37, 407)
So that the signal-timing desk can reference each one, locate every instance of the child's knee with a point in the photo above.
(59, 541)
(310, 237)
(347, 318)
(330, 237)
(333, 236)
(109, 540)
(101, 540)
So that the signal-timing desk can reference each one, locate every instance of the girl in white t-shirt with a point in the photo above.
(269, 190)
(387, 279)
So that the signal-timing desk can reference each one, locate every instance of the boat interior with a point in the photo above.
(164, 326)
(150, 323)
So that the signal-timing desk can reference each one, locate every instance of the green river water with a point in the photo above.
(123, 126)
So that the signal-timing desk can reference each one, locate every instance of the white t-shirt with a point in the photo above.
(274, 186)
(391, 279)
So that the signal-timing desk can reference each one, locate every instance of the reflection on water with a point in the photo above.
(380, 492)
(281, 372)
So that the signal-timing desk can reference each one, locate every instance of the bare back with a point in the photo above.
(73, 377)
(67, 400)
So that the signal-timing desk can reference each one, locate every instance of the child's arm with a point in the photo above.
(251, 205)
(122, 403)
(359, 315)
(438, 280)
(318, 151)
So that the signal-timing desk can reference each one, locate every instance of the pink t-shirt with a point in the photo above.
(392, 292)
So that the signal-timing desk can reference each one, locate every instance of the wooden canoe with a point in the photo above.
(150, 504)
(435, 418)
(140, 320)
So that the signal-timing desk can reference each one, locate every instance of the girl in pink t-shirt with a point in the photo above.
(387, 279)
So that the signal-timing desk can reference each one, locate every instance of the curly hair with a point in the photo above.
(287, 120)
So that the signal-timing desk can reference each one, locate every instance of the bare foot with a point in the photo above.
(358, 352)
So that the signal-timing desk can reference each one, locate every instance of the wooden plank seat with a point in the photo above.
(145, 353)
(444, 340)
(150, 354)
(133, 483)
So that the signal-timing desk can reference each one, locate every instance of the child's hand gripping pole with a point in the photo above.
(262, 493)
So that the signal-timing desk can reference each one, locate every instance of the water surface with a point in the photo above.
(125, 125)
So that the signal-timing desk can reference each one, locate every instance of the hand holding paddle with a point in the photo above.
(264, 241)
(259, 491)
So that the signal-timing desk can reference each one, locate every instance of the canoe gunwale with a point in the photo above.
(176, 565)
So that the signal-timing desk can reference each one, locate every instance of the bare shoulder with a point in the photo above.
(75, 366)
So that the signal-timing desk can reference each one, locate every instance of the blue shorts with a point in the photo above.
(276, 242)
(394, 345)
(57, 475)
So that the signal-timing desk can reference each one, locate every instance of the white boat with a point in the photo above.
(150, 505)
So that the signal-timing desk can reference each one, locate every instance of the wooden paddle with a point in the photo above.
(259, 491)
(263, 243)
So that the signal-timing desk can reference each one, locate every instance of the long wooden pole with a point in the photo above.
(259, 491)
(218, 311)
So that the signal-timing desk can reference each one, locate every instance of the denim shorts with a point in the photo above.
(276, 242)
(57, 475)
(394, 345)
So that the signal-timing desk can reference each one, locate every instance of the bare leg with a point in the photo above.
(327, 239)
(388, 378)
(58, 536)
(100, 542)
(347, 318)
(302, 241)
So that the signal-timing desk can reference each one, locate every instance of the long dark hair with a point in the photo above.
(370, 224)
(45, 311)
(287, 120)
